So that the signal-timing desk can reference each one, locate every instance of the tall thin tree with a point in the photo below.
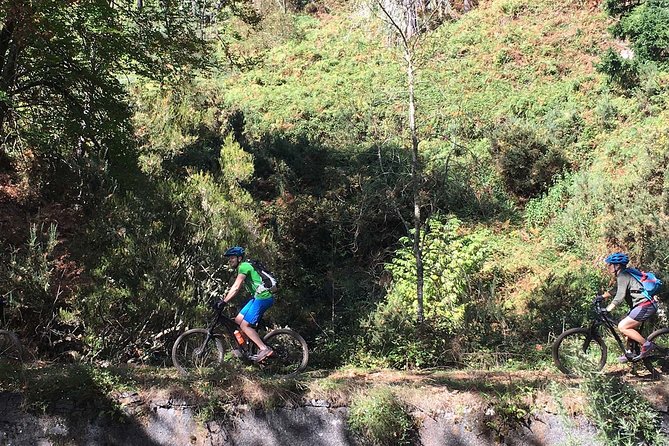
(403, 18)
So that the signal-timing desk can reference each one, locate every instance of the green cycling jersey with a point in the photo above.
(252, 281)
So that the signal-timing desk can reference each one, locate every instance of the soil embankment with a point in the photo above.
(472, 409)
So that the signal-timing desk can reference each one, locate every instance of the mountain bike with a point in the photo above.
(10, 347)
(199, 350)
(584, 350)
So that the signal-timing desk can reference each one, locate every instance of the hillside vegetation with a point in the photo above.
(542, 150)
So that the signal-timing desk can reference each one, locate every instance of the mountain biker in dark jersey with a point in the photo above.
(260, 301)
(629, 289)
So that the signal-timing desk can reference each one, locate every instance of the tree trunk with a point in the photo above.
(415, 180)
(407, 30)
(411, 17)
(8, 56)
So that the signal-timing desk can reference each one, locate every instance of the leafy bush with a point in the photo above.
(621, 413)
(450, 257)
(560, 302)
(159, 256)
(380, 419)
(647, 26)
(575, 227)
(526, 162)
(607, 113)
(624, 72)
(509, 411)
(28, 281)
(539, 211)
(616, 7)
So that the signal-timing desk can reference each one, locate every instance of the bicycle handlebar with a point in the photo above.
(602, 312)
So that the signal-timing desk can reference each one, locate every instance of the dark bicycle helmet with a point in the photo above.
(617, 258)
(236, 251)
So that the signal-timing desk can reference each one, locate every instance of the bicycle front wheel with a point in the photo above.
(193, 354)
(10, 347)
(576, 352)
(658, 362)
(291, 353)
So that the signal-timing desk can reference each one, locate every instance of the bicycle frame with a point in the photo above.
(230, 326)
(603, 319)
(225, 321)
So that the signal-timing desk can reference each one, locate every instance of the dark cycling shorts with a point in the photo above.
(642, 312)
(255, 308)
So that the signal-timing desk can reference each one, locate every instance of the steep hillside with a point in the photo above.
(293, 141)
(557, 160)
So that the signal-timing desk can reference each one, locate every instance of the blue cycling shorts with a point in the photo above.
(642, 312)
(255, 308)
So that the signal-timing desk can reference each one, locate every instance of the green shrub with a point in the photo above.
(560, 302)
(623, 72)
(393, 338)
(647, 26)
(28, 281)
(539, 211)
(577, 224)
(526, 161)
(607, 113)
(158, 254)
(509, 411)
(451, 256)
(621, 413)
(380, 419)
(616, 7)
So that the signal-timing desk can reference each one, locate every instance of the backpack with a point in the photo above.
(651, 283)
(269, 281)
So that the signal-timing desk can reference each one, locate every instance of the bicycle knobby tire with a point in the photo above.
(190, 355)
(291, 353)
(658, 362)
(577, 351)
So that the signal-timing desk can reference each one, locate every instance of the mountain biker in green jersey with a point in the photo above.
(629, 289)
(260, 301)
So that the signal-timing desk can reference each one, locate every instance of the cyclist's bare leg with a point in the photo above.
(250, 332)
(628, 327)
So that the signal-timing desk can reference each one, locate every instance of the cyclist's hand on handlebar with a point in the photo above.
(218, 304)
(599, 299)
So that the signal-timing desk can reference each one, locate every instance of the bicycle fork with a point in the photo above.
(201, 349)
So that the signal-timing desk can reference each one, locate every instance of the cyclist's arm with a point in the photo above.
(621, 291)
(239, 281)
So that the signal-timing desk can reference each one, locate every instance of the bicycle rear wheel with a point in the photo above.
(10, 347)
(576, 352)
(658, 362)
(192, 356)
(291, 353)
